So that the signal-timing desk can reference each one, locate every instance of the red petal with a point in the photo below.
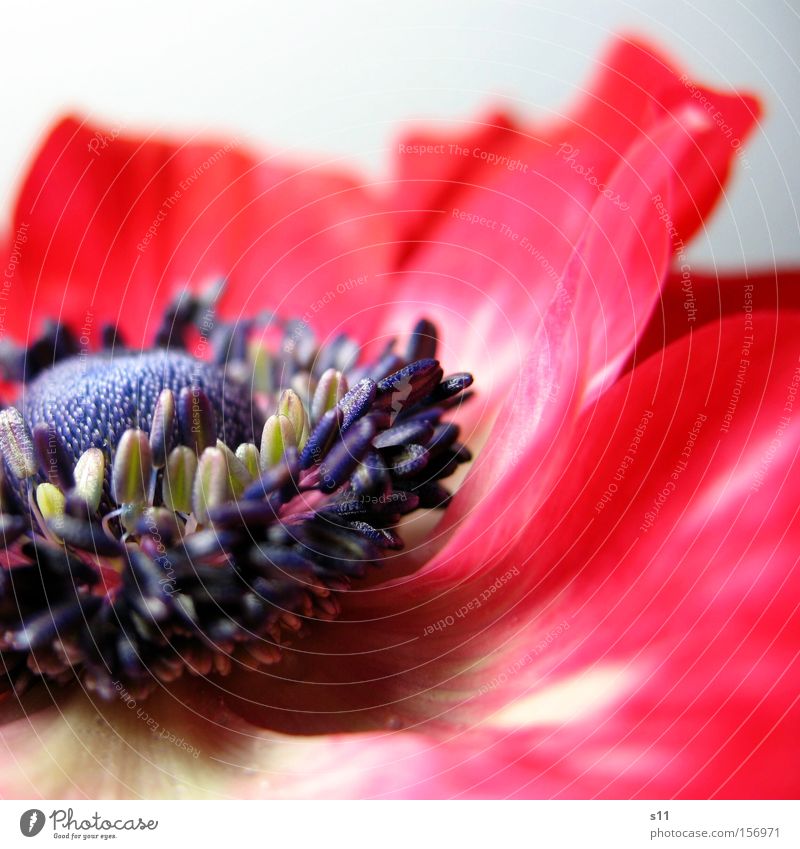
(691, 300)
(611, 284)
(633, 88)
(675, 562)
(489, 238)
(433, 168)
(637, 86)
(690, 625)
(115, 224)
(529, 446)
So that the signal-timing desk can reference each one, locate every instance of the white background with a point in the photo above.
(337, 78)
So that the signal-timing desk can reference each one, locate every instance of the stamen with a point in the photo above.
(197, 420)
(357, 401)
(153, 525)
(89, 474)
(162, 427)
(277, 438)
(16, 445)
(179, 479)
(133, 465)
(50, 501)
(330, 391)
(53, 461)
(290, 405)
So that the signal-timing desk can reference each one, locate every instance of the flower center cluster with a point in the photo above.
(91, 400)
(163, 514)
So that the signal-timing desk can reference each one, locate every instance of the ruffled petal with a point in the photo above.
(586, 334)
(117, 224)
(634, 86)
(490, 212)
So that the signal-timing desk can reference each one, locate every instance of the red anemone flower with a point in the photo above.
(607, 605)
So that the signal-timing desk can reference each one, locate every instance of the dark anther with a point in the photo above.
(155, 529)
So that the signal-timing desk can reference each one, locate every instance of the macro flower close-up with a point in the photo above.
(457, 480)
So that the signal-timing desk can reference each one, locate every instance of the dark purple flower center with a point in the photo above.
(91, 400)
(163, 514)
